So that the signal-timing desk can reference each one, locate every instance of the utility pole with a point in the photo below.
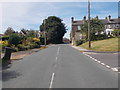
(44, 33)
(89, 24)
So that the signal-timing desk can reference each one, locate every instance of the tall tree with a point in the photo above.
(9, 31)
(54, 29)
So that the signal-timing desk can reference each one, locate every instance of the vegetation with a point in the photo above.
(53, 29)
(79, 42)
(111, 44)
(116, 32)
(24, 40)
(96, 28)
(14, 39)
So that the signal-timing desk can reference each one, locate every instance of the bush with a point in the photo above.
(34, 45)
(14, 48)
(116, 32)
(21, 47)
(79, 42)
(14, 39)
(5, 38)
(4, 44)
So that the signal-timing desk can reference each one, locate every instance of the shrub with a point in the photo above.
(116, 32)
(14, 39)
(4, 44)
(5, 38)
(14, 48)
(21, 47)
(79, 42)
(36, 40)
(34, 45)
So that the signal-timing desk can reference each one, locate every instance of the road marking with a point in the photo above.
(53, 75)
(51, 82)
(107, 66)
(58, 50)
(114, 69)
(56, 58)
(102, 63)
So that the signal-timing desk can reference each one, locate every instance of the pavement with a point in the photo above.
(59, 66)
(108, 59)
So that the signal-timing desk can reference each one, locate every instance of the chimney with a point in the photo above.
(84, 18)
(72, 19)
(109, 17)
(96, 17)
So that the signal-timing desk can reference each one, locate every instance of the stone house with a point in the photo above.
(110, 25)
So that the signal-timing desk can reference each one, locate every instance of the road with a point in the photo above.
(59, 66)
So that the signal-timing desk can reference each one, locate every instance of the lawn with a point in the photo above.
(104, 45)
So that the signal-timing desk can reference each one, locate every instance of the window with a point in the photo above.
(79, 28)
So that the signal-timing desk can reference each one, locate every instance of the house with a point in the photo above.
(110, 25)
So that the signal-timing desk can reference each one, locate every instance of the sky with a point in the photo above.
(30, 15)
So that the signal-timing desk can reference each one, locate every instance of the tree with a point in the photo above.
(54, 29)
(96, 28)
(9, 31)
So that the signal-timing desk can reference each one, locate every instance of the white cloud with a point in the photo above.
(22, 15)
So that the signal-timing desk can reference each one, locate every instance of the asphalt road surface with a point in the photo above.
(59, 66)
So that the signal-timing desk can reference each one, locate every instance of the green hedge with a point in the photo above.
(79, 42)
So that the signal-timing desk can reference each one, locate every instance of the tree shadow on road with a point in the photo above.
(7, 75)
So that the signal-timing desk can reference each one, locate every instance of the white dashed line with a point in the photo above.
(58, 50)
(114, 69)
(102, 63)
(107, 66)
(53, 75)
(56, 58)
(52, 79)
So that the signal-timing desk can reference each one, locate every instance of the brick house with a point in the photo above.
(110, 25)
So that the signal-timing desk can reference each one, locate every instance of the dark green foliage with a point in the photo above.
(9, 31)
(14, 39)
(34, 45)
(96, 26)
(79, 42)
(21, 47)
(54, 29)
(116, 32)
(5, 38)
(41, 40)
(98, 37)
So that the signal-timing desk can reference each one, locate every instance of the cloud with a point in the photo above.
(29, 15)
(22, 15)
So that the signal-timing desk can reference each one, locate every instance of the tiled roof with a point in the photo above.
(79, 22)
(104, 21)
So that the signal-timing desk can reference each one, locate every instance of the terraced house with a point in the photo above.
(110, 25)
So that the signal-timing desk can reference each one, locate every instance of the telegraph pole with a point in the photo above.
(89, 24)
(44, 33)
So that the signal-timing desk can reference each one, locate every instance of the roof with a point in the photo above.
(111, 21)
(104, 21)
(79, 22)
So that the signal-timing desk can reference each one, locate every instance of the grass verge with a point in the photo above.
(104, 45)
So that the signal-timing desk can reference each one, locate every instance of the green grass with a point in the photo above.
(103, 45)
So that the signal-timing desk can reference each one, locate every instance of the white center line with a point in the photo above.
(53, 75)
(51, 83)
(58, 50)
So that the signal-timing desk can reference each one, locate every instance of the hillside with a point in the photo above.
(103, 45)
